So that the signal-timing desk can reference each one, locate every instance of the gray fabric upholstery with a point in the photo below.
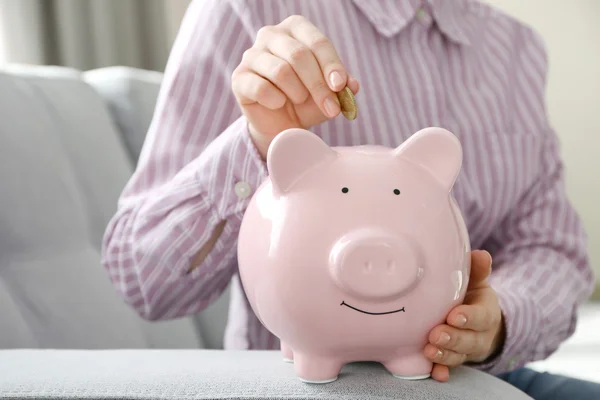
(210, 374)
(62, 167)
(130, 94)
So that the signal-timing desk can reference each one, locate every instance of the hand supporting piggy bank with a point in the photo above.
(355, 253)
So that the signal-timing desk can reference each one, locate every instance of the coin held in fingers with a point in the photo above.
(347, 103)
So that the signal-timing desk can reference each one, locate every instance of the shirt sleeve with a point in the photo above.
(540, 271)
(197, 168)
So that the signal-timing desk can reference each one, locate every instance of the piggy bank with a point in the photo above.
(355, 253)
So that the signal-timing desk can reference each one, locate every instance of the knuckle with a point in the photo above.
(467, 345)
(319, 42)
(319, 86)
(262, 90)
(235, 75)
(247, 55)
(455, 341)
(298, 53)
(237, 80)
(449, 358)
(294, 20)
(283, 72)
(302, 95)
(264, 32)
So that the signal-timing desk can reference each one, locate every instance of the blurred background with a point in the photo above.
(88, 34)
(97, 64)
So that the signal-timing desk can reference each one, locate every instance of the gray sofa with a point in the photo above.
(69, 141)
(68, 144)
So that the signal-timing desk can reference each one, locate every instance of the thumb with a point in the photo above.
(481, 267)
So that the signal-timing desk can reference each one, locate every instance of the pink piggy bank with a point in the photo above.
(355, 253)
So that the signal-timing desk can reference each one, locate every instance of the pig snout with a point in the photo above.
(373, 264)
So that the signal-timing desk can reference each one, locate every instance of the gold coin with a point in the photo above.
(347, 103)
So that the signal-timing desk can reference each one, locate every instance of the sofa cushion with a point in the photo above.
(214, 374)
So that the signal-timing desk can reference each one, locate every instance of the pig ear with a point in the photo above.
(292, 153)
(437, 150)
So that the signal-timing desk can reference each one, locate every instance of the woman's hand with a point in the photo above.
(288, 79)
(474, 330)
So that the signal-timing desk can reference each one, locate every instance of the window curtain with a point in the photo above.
(87, 34)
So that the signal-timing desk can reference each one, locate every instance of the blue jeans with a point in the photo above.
(546, 386)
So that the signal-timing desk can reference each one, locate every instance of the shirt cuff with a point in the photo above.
(215, 186)
(522, 320)
(232, 170)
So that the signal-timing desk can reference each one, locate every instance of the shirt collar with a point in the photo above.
(457, 19)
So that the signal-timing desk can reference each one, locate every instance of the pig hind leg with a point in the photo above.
(410, 366)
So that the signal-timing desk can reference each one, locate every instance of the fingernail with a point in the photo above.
(461, 320)
(332, 107)
(443, 339)
(336, 80)
(436, 354)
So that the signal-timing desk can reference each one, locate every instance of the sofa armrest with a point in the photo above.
(215, 374)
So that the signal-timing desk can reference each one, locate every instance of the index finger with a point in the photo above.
(327, 56)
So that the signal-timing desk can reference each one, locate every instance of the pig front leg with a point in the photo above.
(287, 353)
(314, 369)
(411, 366)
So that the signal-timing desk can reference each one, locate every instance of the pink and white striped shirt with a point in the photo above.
(457, 64)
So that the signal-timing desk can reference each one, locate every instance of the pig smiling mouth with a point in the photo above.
(371, 313)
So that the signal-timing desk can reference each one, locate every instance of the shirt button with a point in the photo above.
(512, 363)
(421, 14)
(242, 190)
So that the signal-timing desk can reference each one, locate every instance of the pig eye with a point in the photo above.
(396, 192)
(344, 190)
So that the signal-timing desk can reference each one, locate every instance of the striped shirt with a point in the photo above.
(459, 64)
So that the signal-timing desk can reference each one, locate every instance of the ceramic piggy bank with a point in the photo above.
(355, 253)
